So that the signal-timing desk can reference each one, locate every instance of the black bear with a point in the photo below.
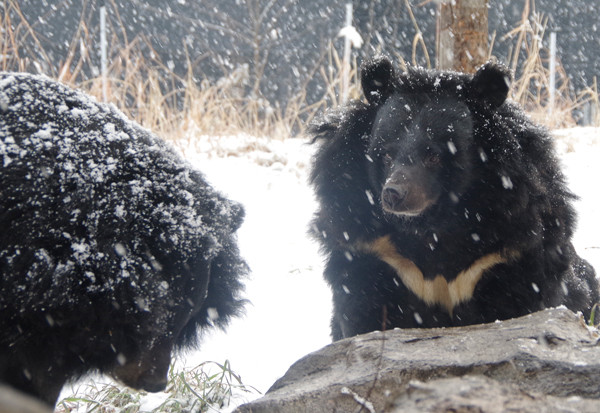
(441, 204)
(113, 251)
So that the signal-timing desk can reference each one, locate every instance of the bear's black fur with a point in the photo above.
(113, 251)
(441, 204)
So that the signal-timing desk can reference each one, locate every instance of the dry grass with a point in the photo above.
(149, 92)
(208, 387)
(531, 88)
(176, 106)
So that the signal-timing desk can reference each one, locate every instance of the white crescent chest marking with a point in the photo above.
(437, 290)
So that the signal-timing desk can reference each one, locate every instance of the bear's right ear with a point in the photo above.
(377, 77)
(491, 84)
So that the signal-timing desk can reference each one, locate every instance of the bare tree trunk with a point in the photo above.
(462, 34)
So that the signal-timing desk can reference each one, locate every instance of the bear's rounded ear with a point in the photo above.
(491, 84)
(377, 77)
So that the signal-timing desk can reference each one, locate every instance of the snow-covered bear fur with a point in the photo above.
(442, 204)
(113, 250)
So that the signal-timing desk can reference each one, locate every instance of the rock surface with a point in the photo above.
(13, 401)
(482, 394)
(546, 361)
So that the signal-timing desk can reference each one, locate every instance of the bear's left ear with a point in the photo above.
(377, 77)
(491, 84)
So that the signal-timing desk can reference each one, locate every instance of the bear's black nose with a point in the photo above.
(392, 197)
(152, 384)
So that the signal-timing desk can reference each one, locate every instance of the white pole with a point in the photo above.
(346, 61)
(103, 54)
(552, 85)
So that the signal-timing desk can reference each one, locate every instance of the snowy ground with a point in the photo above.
(290, 310)
(289, 314)
(579, 150)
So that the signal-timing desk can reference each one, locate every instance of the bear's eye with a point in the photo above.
(432, 160)
(387, 159)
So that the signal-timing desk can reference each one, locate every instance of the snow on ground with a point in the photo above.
(579, 150)
(290, 303)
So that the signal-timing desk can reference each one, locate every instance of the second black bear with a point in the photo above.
(114, 251)
(442, 204)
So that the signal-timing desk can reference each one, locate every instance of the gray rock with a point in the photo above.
(482, 394)
(13, 401)
(546, 361)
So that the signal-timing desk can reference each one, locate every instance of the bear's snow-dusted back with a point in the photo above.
(113, 250)
(441, 204)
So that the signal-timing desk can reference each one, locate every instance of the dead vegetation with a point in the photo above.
(530, 61)
(176, 106)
